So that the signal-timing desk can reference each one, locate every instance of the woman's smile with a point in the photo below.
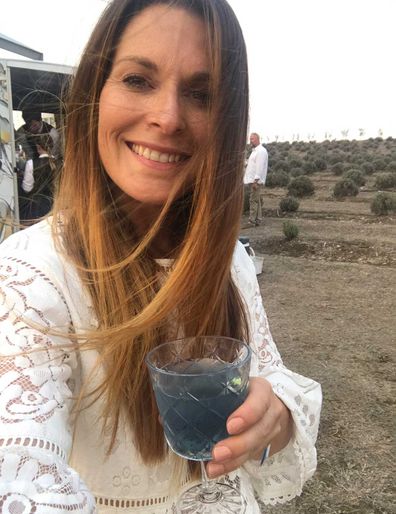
(149, 153)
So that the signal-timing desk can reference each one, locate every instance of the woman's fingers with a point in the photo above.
(231, 453)
(253, 408)
(216, 469)
(247, 445)
(252, 427)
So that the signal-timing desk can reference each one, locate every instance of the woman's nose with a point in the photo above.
(167, 113)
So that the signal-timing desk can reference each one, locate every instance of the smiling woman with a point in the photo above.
(142, 248)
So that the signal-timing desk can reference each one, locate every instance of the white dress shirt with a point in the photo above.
(257, 166)
(28, 174)
(28, 177)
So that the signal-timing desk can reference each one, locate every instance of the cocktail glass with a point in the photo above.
(198, 382)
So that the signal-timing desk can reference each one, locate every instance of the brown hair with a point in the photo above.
(133, 304)
(45, 141)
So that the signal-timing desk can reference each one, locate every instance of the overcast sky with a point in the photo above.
(316, 66)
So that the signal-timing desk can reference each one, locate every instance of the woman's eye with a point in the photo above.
(136, 82)
(200, 96)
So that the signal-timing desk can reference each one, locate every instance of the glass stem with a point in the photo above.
(210, 492)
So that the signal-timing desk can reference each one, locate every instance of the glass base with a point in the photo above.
(224, 499)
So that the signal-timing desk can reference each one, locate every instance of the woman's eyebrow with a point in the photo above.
(199, 77)
(142, 61)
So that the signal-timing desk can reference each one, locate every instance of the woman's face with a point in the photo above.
(153, 108)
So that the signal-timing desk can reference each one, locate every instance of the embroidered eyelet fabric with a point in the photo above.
(51, 462)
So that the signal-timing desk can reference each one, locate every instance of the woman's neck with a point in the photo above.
(165, 242)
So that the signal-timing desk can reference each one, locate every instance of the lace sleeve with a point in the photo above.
(283, 475)
(36, 382)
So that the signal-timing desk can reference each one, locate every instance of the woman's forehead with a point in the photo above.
(165, 35)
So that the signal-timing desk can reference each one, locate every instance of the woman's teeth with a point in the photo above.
(154, 155)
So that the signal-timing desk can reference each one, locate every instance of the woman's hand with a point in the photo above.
(262, 419)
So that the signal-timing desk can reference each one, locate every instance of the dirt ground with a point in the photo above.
(330, 298)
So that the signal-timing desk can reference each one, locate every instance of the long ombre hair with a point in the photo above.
(135, 305)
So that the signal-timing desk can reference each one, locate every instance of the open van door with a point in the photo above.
(23, 84)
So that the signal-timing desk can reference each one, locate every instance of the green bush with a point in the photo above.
(369, 156)
(301, 186)
(281, 165)
(289, 204)
(309, 166)
(368, 168)
(334, 158)
(338, 168)
(297, 172)
(290, 230)
(345, 187)
(385, 181)
(356, 176)
(383, 203)
(277, 179)
(348, 157)
(320, 164)
(391, 166)
(358, 159)
(379, 164)
(295, 162)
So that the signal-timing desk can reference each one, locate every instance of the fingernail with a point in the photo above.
(221, 453)
(235, 425)
(215, 470)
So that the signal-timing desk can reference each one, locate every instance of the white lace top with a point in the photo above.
(52, 463)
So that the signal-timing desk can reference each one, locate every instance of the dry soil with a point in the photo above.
(330, 297)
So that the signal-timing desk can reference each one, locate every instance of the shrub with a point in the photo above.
(385, 181)
(290, 230)
(277, 179)
(295, 162)
(369, 157)
(301, 186)
(357, 159)
(367, 168)
(309, 167)
(356, 176)
(391, 166)
(383, 203)
(379, 164)
(338, 168)
(334, 158)
(320, 164)
(345, 187)
(289, 204)
(348, 157)
(281, 165)
(299, 145)
(297, 172)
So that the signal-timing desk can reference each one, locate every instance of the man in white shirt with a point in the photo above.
(255, 176)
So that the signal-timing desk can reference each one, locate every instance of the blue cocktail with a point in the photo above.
(198, 382)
